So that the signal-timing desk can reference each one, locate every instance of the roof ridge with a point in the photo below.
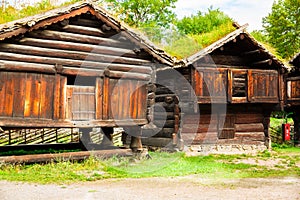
(26, 24)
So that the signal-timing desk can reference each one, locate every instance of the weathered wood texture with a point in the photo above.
(293, 90)
(26, 95)
(73, 73)
(236, 85)
(72, 45)
(71, 156)
(234, 127)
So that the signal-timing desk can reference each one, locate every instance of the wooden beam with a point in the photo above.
(242, 36)
(129, 68)
(126, 75)
(29, 67)
(87, 22)
(85, 30)
(256, 51)
(29, 60)
(97, 49)
(70, 156)
(263, 62)
(72, 37)
(73, 55)
(81, 71)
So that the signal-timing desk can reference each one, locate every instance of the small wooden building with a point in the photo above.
(292, 84)
(75, 66)
(235, 84)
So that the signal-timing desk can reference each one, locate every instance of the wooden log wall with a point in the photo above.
(240, 125)
(166, 118)
(39, 74)
(79, 43)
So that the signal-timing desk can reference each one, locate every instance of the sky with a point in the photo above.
(241, 11)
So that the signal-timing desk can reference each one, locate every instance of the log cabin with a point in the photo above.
(234, 85)
(76, 66)
(292, 83)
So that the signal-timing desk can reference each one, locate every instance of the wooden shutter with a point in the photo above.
(263, 86)
(210, 85)
(293, 88)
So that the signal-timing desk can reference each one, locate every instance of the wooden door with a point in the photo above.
(81, 104)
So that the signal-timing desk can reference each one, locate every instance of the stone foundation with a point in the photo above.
(224, 149)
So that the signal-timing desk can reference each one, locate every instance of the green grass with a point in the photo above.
(11, 13)
(185, 46)
(277, 122)
(161, 165)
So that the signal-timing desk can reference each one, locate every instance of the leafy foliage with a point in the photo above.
(282, 26)
(11, 13)
(198, 31)
(142, 13)
(261, 37)
(202, 22)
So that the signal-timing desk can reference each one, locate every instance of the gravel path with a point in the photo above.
(189, 187)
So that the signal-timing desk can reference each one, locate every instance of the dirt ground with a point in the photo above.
(188, 187)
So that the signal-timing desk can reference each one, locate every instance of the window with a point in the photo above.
(239, 84)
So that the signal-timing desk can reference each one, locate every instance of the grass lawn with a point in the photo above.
(285, 162)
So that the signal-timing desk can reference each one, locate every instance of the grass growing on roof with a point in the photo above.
(11, 13)
(185, 46)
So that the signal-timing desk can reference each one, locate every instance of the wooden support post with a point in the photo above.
(296, 120)
(9, 137)
(266, 123)
(25, 137)
(72, 132)
(107, 138)
(136, 141)
(85, 138)
(43, 132)
(56, 136)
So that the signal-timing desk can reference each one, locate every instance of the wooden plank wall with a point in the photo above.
(26, 95)
(127, 99)
(247, 126)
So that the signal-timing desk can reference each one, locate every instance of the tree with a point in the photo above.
(142, 13)
(203, 22)
(282, 27)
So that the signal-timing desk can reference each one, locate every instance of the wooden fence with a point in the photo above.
(39, 136)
